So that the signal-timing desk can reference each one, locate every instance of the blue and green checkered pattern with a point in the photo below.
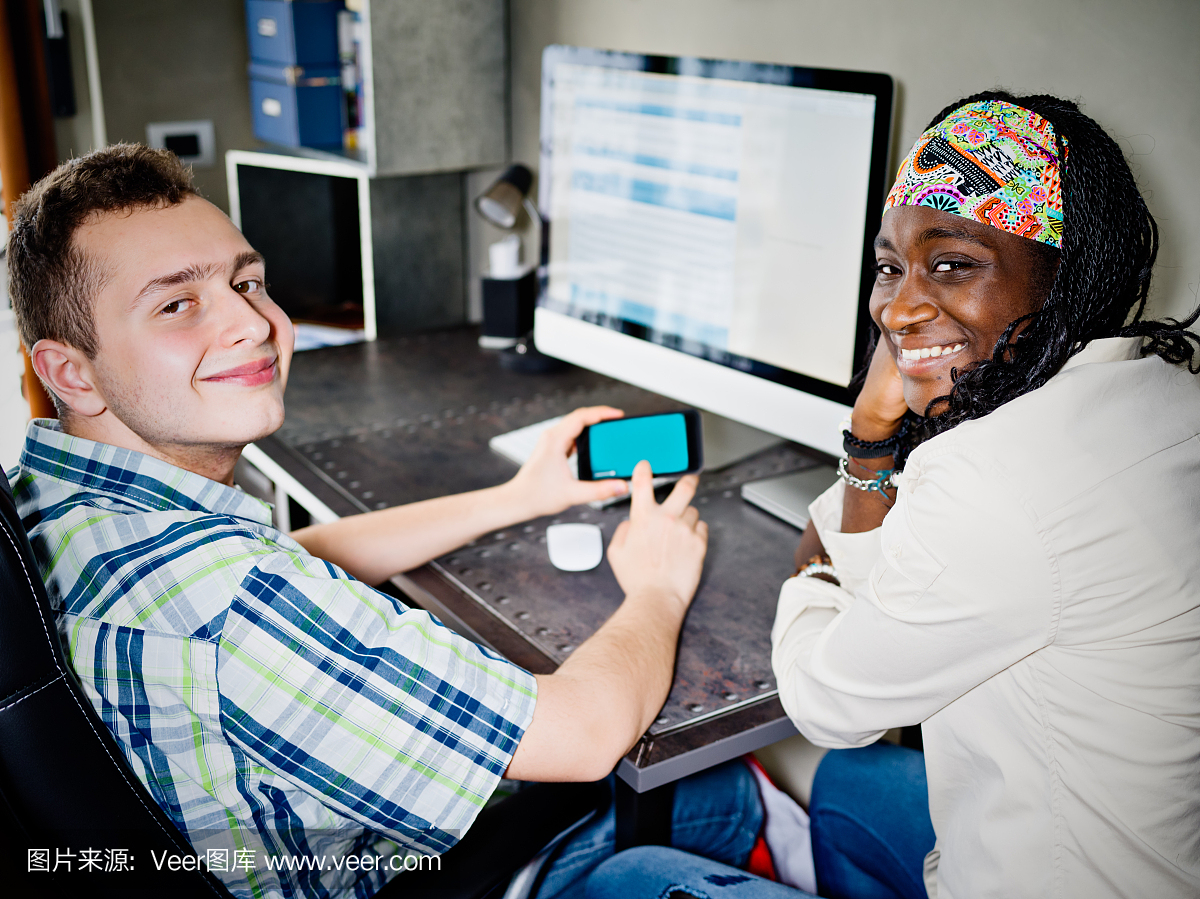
(269, 702)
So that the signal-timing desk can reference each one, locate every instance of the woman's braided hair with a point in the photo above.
(1109, 244)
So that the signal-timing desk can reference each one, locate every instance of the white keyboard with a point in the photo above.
(517, 446)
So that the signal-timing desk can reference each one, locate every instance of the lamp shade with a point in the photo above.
(501, 203)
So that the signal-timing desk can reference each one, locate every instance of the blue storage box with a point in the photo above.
(293, 32)
(297, 107)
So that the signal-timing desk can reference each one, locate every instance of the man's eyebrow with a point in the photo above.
(944, 233)
(248, 258)
(184, 276)
(194, 273)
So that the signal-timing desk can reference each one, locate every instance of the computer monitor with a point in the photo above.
(709, 227)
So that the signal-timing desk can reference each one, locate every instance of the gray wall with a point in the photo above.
(1135, 66)
(176, 60)
(439, 77)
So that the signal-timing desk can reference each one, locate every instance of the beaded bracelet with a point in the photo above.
(873, 449)
(887, 479)
(818, 564)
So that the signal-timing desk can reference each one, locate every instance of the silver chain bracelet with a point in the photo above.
(886, 480)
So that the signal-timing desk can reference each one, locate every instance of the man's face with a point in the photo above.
(945, 290)
(193, 354)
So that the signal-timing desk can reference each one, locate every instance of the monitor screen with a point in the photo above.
(723, 210)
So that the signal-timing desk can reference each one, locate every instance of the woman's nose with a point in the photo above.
(910, 305)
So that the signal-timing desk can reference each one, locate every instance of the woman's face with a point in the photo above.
(945, 290)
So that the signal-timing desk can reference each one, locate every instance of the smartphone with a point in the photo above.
(671, 442)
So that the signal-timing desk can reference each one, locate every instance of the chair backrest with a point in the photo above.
(65, 785)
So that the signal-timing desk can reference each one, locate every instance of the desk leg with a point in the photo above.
(643, 819)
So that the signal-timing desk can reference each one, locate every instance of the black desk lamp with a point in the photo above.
(501, 203)
(509, 293)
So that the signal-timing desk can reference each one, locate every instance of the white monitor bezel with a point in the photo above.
(805, 410)
(766, 405)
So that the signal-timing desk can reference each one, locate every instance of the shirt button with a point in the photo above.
(896, 551)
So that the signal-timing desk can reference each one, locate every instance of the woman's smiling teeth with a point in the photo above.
(927, 352)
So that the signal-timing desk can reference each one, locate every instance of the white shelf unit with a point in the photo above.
(435, 84)
(317, 164)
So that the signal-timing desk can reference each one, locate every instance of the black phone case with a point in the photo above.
(695, 444)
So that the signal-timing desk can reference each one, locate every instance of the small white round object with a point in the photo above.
(574, 547)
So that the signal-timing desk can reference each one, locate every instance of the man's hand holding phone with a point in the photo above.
(672, 442)
(660, 548)
(545, 485)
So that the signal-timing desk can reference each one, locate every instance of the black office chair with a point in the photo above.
(65, 786)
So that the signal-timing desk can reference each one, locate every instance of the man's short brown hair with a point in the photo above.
(53, 285)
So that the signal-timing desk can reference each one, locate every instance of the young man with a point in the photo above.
(267, 697)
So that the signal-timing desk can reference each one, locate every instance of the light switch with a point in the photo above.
(193, 142)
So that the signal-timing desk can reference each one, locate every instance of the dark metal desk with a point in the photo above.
(405, 419)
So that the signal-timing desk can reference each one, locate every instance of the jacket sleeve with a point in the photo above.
(955, 586)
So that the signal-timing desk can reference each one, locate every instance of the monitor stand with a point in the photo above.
(787, 496)
(727, 441)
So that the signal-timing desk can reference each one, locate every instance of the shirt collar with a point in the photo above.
(131, 476)
(1106, 349)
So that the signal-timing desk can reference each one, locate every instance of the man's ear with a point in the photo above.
(68, 373)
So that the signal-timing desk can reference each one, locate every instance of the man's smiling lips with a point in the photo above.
(252, 374)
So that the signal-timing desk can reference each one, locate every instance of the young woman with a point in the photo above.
(1010, 557)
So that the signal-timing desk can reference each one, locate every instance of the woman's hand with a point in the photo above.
(877, 415)
(545, 485)
(880, 406)
(660, 549)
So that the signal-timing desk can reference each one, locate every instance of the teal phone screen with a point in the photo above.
(617, 446)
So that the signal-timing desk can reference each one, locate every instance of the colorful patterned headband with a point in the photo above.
(991, 162)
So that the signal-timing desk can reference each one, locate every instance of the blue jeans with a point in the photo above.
(870, 828)
(870, 823)
(717, 814)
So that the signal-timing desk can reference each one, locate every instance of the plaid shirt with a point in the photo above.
(274, 707)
